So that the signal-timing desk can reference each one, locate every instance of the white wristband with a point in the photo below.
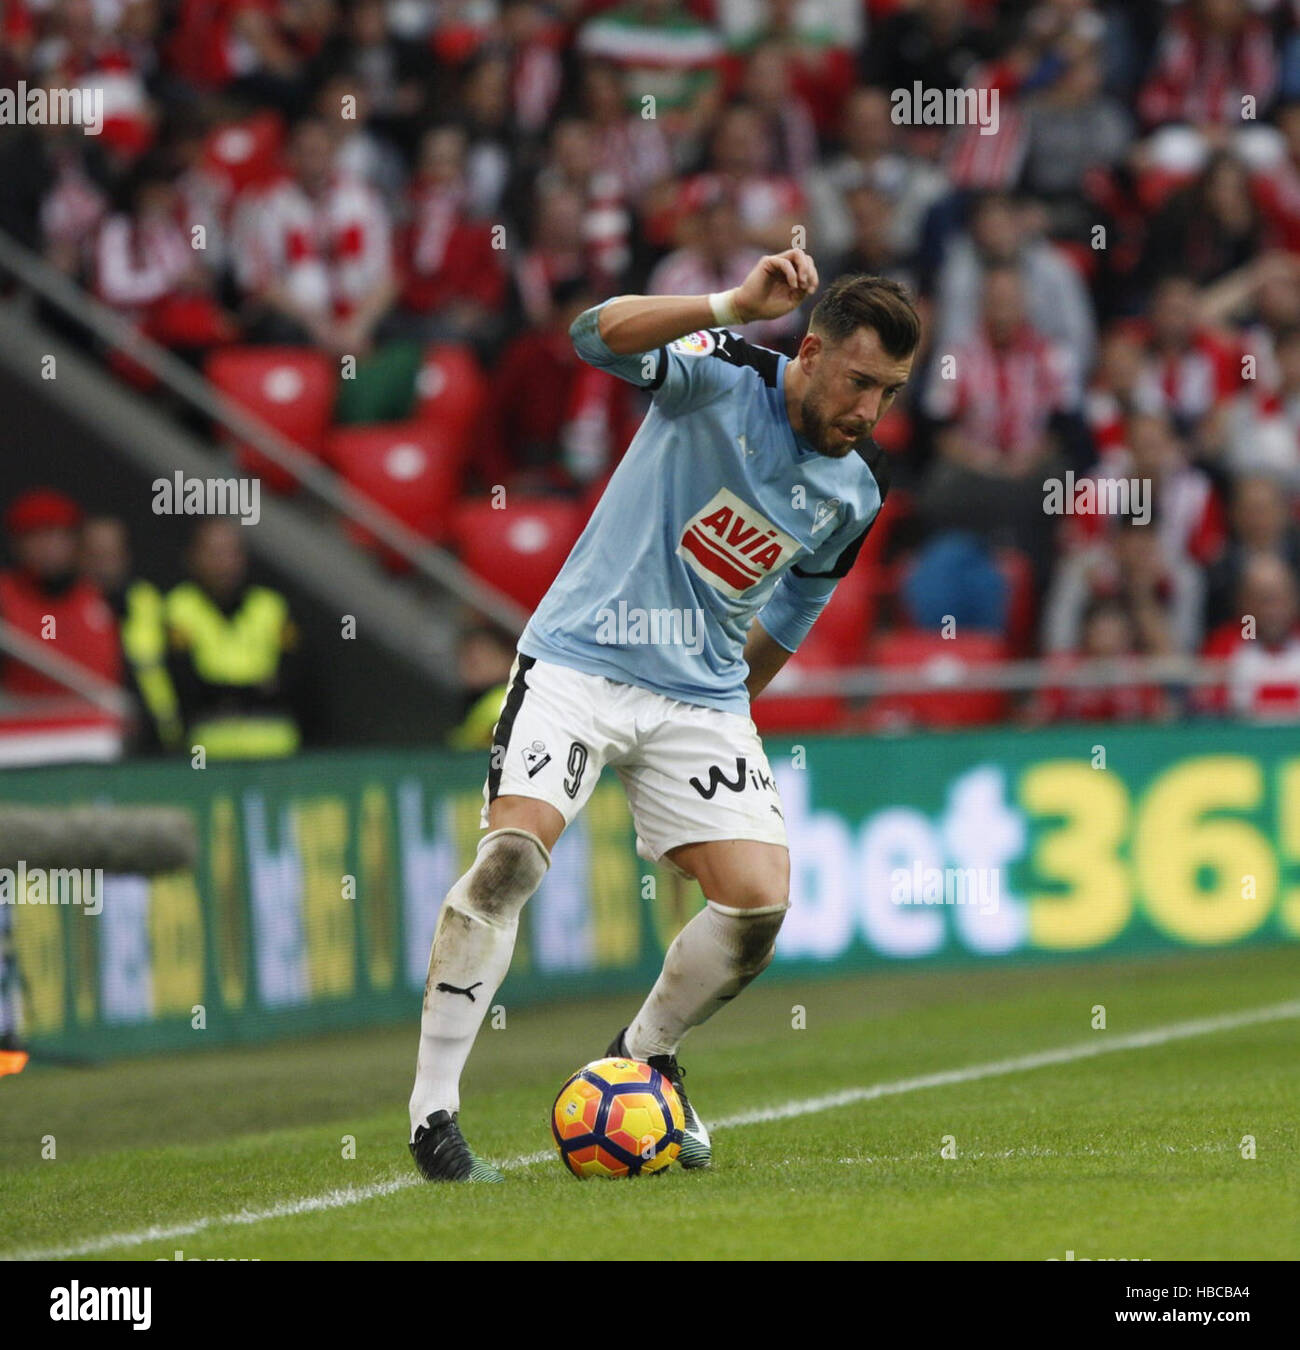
(723, 305)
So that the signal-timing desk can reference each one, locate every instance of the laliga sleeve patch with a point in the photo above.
(694, 344)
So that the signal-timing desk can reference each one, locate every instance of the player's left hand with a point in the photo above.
(779, 283)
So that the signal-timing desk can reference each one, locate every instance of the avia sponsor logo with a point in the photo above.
(631, 626)
(74, 1302)
(922, 107)
(741, 778)
(731, 546)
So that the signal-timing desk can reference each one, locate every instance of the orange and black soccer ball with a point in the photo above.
(617, 1118)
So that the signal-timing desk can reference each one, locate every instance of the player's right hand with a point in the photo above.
(779, 283)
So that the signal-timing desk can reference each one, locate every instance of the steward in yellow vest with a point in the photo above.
(233, 653)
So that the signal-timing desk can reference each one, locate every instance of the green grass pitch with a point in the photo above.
(1105, 1143)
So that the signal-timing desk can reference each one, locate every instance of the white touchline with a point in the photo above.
(808, 1106)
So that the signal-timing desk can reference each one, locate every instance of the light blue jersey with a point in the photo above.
(719, 512)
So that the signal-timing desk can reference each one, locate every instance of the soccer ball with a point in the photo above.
(617, 1118)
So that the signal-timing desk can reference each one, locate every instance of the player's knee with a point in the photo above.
(509, 867)
(753, 930)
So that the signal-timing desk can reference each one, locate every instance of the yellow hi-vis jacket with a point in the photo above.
(235, 658)
(144, 643)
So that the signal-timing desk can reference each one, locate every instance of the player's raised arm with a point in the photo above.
(777, 284)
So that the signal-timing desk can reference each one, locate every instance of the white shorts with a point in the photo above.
(690, 773)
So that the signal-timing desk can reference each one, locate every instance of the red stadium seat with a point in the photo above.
(846, 622)
(450, 391)
(811, 712)
(1021, 599)
(953, 707)
(290, 388)
(519, 548)
(408, 468)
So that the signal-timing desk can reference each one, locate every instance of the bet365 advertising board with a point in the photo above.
(314, 900)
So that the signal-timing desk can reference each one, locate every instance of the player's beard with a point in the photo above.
(824, 436)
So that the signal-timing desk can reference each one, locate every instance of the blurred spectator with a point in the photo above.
(483, 663)
(79, 53)
(1191, 522)
(234, 653)
(538, 390)
(557, 254)
(1056, 300)
(997, 394)
(1262, 526)
(44, 598)
(664, 55)
(532, 38)
(1006, 409)
(1108, 634)
(359, 153)
(1187, 367)
(573, 162)
(137, 605)
(1164, 596)
(148, 270)
(1207, 229)
(486, 116)
(1261, 426)
(714, 258)
(873, 155)
(313, 252)
(633, 148)
(932, 41)
(1112, 396)
(767, 87)
(769, 205)
(1072, 127)
(818, 38)
(1211, 54)
(455, 280)
(871, 246)
(1276, 186)
(1261, 645)
(389, 72)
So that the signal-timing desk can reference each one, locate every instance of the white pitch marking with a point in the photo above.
(355, 1195)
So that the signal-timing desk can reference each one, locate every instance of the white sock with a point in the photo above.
(471, 953)
(709, 962)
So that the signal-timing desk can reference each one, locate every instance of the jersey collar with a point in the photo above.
(798, 444)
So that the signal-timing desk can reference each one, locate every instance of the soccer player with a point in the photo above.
(745, 494)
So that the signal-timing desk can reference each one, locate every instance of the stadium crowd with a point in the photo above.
(1110, 280)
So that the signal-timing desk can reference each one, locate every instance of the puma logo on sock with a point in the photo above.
(444, 988)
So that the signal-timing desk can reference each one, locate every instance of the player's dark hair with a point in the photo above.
(860, 301)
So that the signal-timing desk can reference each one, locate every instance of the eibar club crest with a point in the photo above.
(536, 758)
(826, 512)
